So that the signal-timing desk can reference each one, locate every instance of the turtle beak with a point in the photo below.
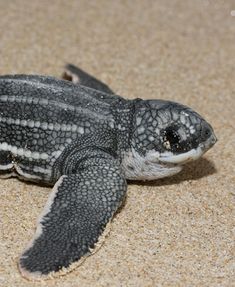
(210, 142)
(213, 139)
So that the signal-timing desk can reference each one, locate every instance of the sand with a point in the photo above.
(172, 232)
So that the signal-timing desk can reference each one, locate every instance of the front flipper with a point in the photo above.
(78, 76)
(77, 211)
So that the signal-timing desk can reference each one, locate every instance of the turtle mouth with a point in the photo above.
(191, 155)
(182, 158)
(171, 159)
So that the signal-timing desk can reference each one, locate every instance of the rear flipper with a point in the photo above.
(78, 76)
(77, 211)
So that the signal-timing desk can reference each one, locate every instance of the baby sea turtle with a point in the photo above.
(86, 141)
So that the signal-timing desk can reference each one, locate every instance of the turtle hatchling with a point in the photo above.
(78, 136)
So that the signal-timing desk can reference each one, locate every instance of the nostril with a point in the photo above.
(207, 132)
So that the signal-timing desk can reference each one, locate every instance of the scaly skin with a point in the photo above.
(87, 142)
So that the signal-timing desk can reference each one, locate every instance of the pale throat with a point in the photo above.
(139, 167)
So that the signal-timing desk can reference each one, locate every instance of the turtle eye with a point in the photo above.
(171, 137)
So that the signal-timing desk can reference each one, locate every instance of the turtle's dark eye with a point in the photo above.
(171, 138)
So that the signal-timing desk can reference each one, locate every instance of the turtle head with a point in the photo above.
(167, 135)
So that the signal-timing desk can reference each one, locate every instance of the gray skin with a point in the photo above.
(86, 141)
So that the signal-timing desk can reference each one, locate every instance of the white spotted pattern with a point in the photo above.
(57, 104)
(42, 125)
(23, 152)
